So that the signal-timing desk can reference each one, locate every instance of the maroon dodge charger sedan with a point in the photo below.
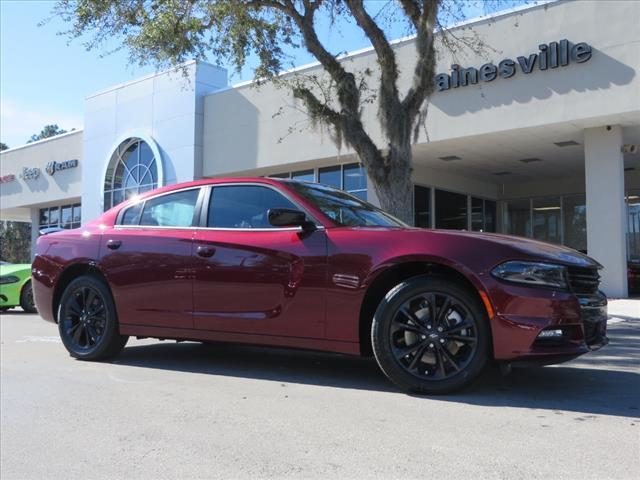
(295, 264)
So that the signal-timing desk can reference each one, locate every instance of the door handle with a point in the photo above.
(205, 251)
(113, 244)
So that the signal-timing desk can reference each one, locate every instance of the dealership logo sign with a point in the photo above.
(30, 173)
(53, 167)
(552, 55)
(7, 178)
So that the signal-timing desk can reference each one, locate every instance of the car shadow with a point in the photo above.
(602, 383)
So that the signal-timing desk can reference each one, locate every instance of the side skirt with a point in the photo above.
(349, 348)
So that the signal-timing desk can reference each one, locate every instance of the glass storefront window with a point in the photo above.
(422, 206)
(483, 215)
(518, 217)
(574, 212)
(76, 214)
(633, 227)
(354, 180)
(54, 216)
(304, 176)
(331, 176)
(477, 214)
(132, 168)
(451, 210)
(65, 216)
(546, 219)
(350, 178)
(490, 215)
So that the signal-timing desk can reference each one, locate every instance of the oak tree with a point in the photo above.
(169, 32)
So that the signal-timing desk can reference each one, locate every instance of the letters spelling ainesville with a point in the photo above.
(553, 55)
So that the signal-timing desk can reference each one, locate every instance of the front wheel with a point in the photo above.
(87, 320)
(431, 335)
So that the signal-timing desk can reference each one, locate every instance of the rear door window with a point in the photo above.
(170, 210)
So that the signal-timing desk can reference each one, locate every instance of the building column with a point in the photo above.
(606, 209)
(35, 230)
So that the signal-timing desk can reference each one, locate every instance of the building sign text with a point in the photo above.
(53, 167)
(553, 55)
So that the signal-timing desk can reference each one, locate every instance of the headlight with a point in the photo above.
(532, 273)
(8, 279)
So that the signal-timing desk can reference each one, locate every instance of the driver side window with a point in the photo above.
(244, 206)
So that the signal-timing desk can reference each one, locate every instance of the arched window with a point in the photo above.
(132, 169)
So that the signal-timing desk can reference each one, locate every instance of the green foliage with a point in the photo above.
(15, 242)
(3, 146)
(169, 32)
(47, 131)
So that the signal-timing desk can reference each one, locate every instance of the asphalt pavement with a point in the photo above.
(164, 410)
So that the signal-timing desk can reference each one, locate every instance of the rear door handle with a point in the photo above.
(113, 244)
(205, 251)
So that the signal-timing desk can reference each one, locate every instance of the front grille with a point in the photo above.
(583, 280)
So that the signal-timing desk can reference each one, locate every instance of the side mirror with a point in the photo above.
(287, 217)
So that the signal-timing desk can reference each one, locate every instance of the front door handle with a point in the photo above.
(113, 244)
(205, 251)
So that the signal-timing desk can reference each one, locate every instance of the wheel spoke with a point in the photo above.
(71, 330)
(460, 326)
(78, 333)
(410, 315)
(441, 312)
(449, 358)
(417, 357)
(90, 298)
(461, 338)
(75, 306)
(440, 363)
(93, 334)
(87, 337)
(417, 328)
(401, 353)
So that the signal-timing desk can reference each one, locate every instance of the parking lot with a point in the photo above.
(167, 410)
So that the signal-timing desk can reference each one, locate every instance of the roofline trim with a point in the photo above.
(402, 40)
(44, 140)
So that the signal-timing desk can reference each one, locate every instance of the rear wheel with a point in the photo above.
(431, 335)
(26, 298)
(87, 320)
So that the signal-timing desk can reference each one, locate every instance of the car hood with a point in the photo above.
(538, 249)
(511, 247)
(15, 269)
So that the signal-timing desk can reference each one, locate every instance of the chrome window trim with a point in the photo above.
(144, 201)
(205, 208)
(158, 227)
(286, 195)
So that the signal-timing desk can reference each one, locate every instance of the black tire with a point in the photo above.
(4, 309)
(425, 354)
(87, 320)
(26, 298)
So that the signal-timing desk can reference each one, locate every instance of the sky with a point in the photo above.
(44, 78)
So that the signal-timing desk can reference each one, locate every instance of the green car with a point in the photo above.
(15, 287)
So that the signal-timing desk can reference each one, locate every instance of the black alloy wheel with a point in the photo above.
(87, 320)
(430, 335)
(84, 318)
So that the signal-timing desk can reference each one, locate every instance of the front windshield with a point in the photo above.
(344, 209)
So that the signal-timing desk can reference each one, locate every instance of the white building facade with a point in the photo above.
(534, 136)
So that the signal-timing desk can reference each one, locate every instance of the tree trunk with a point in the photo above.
(395, 188)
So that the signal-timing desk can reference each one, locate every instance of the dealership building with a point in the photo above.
(532, 136)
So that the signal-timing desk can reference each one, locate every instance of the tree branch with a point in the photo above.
(389, 97)
(423, 73)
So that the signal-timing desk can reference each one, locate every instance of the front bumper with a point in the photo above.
(579, 323)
